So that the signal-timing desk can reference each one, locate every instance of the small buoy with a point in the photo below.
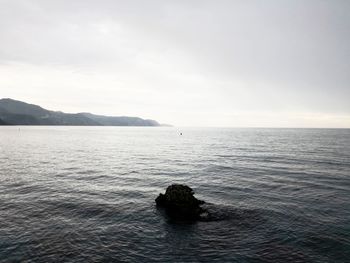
(180, 133)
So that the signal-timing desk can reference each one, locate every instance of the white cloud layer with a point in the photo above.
(188, 63)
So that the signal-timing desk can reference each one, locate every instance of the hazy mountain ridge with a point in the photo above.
(13, 112)
(2, 122)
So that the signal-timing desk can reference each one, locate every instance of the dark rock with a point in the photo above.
(179, 202)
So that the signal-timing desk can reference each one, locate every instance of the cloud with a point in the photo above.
(179, 61)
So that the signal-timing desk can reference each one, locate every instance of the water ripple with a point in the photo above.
(86, 194)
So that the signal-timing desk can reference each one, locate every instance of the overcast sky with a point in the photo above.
(187, 63)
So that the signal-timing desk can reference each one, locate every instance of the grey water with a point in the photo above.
(86, 194)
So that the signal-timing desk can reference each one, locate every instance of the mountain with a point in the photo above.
(2, 122)
(15, 112)
(120, 121)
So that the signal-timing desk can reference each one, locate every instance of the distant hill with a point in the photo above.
(13, 112)
(2, 122)
(120, 121)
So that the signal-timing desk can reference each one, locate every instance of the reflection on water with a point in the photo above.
(86, 194)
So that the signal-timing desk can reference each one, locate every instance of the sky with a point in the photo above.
(221, 63)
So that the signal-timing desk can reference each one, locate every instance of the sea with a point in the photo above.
(86, 194)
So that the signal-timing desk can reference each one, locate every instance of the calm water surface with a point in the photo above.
(86, 194)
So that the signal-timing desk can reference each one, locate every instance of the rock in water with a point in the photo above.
(180, 203)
